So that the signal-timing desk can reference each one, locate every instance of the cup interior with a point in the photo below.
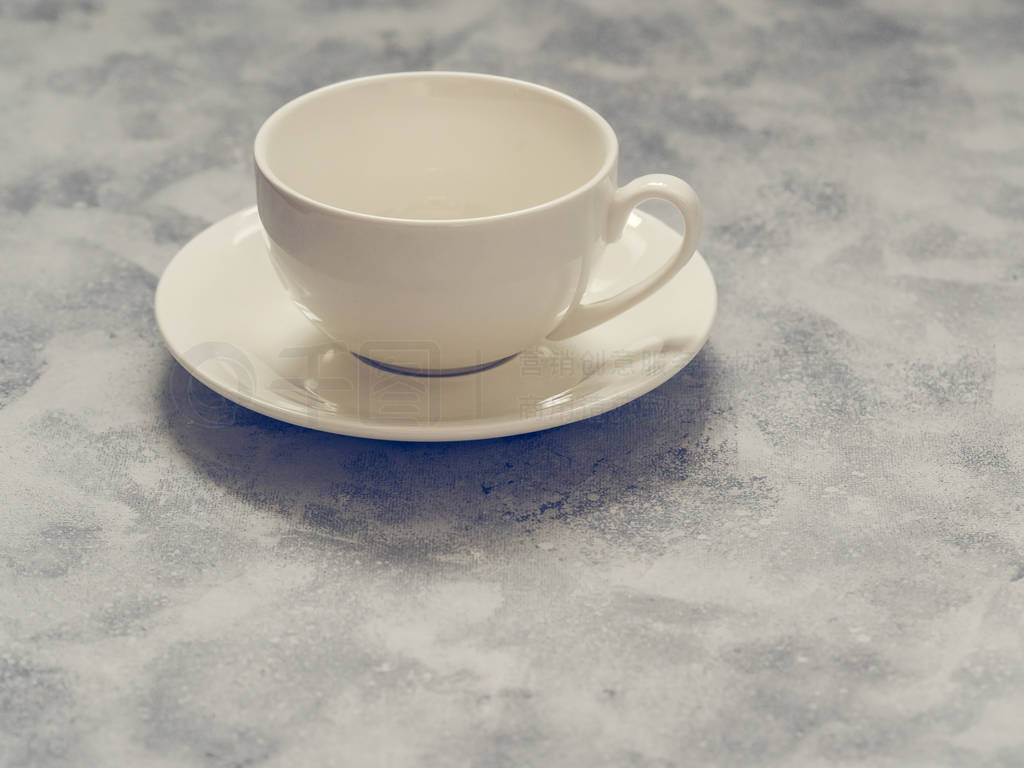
(434, 146)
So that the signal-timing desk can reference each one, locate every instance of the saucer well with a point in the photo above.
(226, 318)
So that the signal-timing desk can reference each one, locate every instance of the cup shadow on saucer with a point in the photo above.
(403, 501)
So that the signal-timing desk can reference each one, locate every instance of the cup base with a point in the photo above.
(429, 372)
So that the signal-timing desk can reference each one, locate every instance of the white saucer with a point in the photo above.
(226, 318)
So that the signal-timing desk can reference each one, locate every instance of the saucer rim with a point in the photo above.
(440, 431)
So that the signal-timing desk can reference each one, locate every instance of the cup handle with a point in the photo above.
(582, 317)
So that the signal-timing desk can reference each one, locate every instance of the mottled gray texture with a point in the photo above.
(805, 549)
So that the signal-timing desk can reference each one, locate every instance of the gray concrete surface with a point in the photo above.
(805, 549)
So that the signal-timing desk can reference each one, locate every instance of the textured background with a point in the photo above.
(806, 548)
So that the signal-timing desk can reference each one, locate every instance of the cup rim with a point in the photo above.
(263, 166)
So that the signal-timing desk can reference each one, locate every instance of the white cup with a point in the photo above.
(441, 222)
